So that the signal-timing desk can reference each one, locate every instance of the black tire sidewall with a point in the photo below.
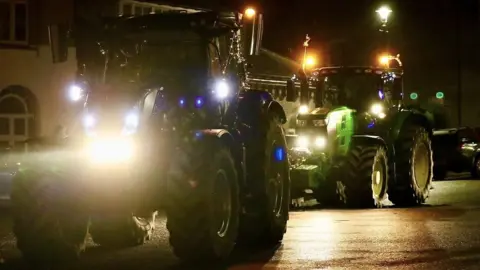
(190, 212)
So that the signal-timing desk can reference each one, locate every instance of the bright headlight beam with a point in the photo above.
(132, 119)
(303, 109)
(222, 89)
(320, 142)
(110, 150)
(88, 121)
(75, 93)
(302, 142)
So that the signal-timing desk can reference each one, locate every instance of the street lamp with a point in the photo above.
(385, 59)
(383, 13)
(310, 61)
(250, 13)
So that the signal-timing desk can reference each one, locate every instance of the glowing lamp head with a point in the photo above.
(222, 89)
(384, 12)
(303, 109)
(250, 13)
(75, 93)
(384, 60)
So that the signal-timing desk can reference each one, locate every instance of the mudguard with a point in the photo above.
(233, 142)
(273, 107)
(411, 115)
(254, 103)
(370, 140)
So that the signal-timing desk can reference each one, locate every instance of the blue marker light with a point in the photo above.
(279, 154)
(371, 125)
(381, 95)
(199, 102)
(181, 102)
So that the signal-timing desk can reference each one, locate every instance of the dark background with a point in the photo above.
(438, 40)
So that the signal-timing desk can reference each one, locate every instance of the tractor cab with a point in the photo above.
(367, 91)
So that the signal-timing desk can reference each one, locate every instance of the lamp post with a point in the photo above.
(384, 13)
(385, 59)
(305, 45)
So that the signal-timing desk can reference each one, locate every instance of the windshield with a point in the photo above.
(352, 90)
(167, 64)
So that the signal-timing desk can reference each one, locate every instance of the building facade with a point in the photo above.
(33, 99)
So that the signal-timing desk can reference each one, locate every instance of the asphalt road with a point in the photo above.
(441, 235)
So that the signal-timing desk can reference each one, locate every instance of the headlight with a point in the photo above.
(378, 110)
(221, 89)
(305, 142)
(320, 142)
(75, 93)
(131, 122)
(89, 121)
(110, 150)
(303, 109)
(302, 142)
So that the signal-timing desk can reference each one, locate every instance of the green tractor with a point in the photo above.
(360, 142)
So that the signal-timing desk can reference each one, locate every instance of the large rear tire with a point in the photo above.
(269, 178)
(365, 182)
(118, 231)
(414, 167)
(50, 224)
(203, 206)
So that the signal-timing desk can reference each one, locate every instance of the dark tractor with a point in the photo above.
(360, 141)
(167, 121)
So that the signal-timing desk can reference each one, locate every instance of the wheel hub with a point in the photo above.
(378, 175)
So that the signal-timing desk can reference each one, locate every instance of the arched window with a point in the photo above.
(15, 119)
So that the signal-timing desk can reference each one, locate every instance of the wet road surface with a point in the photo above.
(445, 234)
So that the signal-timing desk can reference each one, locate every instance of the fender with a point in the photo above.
(410, 116)
(370, 139)
(233, 142)
(254, 103)
(273, 107)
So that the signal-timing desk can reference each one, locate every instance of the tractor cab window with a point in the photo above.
(214, 60)
(391, 88)
(356, 91)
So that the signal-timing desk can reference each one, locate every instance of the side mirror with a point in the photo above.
(291, 92)
(58, 38)
(319, 94)
(252, 31)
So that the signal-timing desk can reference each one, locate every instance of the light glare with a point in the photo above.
(75, 93)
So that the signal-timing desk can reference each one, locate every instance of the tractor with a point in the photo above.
(359, 142)
(166, 121)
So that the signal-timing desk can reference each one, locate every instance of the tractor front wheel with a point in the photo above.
(365, 182)
(203, 206)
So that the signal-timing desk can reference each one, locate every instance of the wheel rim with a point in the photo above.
(275, 185)
(421, 169)
(222, 203)
(378, 177)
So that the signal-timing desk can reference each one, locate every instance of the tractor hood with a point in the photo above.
(316, 114)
